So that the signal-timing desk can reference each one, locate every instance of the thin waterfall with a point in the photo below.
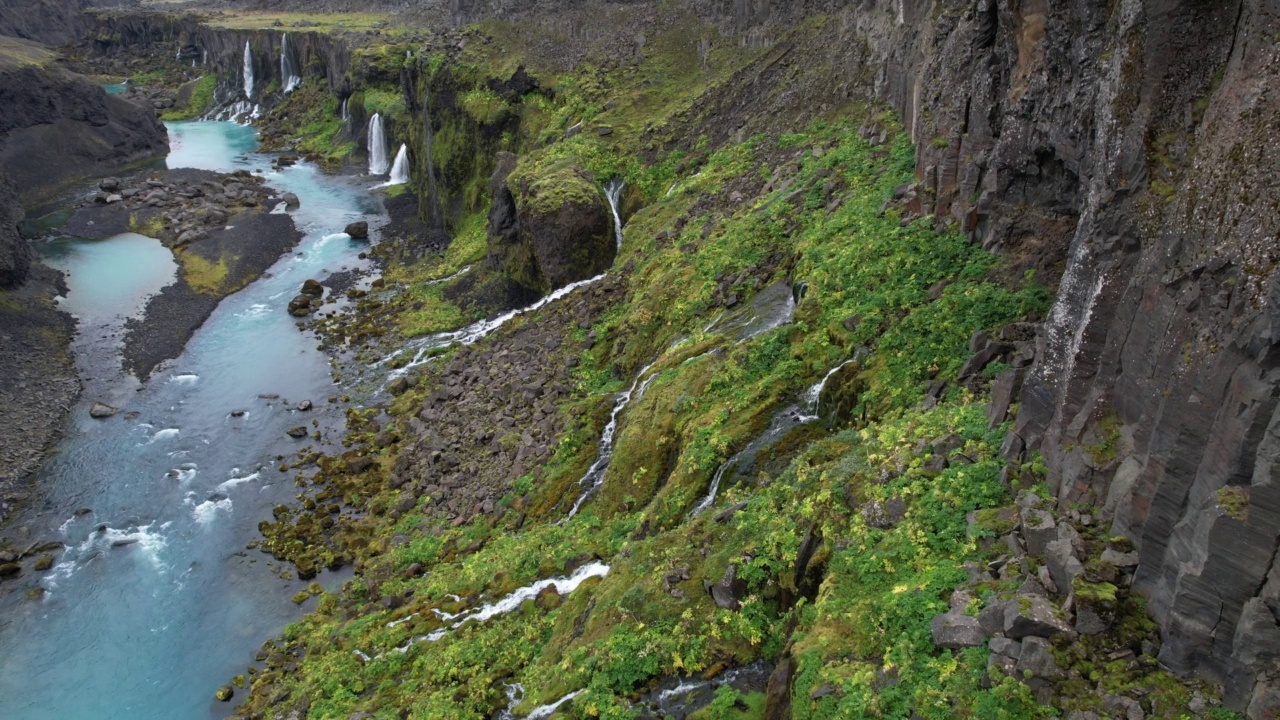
(594, 477)
(248, 71)
(400, 168)
(288, 70)
(377, 146)
(814, 394)
(345, 116)
(613, 191)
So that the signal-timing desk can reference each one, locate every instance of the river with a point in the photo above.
(149, 616)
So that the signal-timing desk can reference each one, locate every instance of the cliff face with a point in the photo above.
(56, 128)
(1130, 146)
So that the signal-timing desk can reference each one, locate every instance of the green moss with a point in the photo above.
(1234, 501)
(485, 106)
(388, 103)
(1094, 592)
(201, 100)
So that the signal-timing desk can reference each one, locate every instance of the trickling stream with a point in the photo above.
(155, 603)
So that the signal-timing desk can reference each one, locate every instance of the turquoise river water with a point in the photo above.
(156, 602)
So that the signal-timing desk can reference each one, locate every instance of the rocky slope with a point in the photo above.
(1124, 152)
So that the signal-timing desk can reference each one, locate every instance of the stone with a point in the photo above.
(224, 693)
(884, 515)
(955, 630)
(102, 410)
(1006, 647)
(728, 593)
(1089, 622)
(291, 200)
(398, 386)
(300, 305)
(1033, 615)
(991, 618)
(110, 184)
(1064, 566)
(358, 230)
(1038, 530)
(10, 570)
(312, 288)
(1120, 559)
(44, 563)
(297, 432)
(1037, 659)
(304, 406)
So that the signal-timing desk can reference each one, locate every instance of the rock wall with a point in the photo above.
(1130, 147)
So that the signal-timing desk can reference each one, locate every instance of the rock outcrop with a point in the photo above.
(549, 227)
(57, 128)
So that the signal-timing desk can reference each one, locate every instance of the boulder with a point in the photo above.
(225, 693)
(297, 432)
(102, 410)
(1036, 658)
(1038, 529)
(10, 570)
(110, 184)
(955, 630)
(548, 227)
(358, 230)
(300, 305)
(312, 288)
(1033, 615)
(291, 200)
(728, 593)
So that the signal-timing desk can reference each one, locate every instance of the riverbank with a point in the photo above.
(222, 230)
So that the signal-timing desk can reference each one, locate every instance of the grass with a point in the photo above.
(203, 275)
(324, 22)
(201, 100)
(15, 52)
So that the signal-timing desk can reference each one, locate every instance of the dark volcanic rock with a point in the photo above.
(358, 230)
(549, 228)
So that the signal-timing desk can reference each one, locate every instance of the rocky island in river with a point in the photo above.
(884, 359)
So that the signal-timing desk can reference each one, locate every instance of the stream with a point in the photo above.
(155, 602)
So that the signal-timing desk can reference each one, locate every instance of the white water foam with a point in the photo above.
(184, 473)
(546, 710)
(563, 585)
(613, 191)
(185, 379)
(165, 434)
(205, 512)
(236, 480)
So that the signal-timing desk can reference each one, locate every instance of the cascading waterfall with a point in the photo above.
(345, 116)
(248, 71)
(288, 71)
(400, 168)
(714, 490)
(613, 191)
(476, 331)
(594, 477)
(814, 394)
(377, 146)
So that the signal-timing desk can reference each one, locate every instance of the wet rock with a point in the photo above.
(225, 693)
(398, 386)
(777, 704)
(300, 305)
(291, 200)
(728, 593)
(312, 288)
(358, 230)
(955, 630)
(10, 570)
(102, 410)
(304, 406)
(297, 432)
(110, 184)
(44, 563)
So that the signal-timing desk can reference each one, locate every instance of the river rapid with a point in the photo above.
(156, 601)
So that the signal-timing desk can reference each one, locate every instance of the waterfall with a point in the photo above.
(377, 146)
(613, 191)
(248, 71)
(814, 394)
(288, 71)
(715, 485)
(594, 477)
(400, 168)
(345, 116)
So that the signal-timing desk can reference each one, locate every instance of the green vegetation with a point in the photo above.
(201, 100)
(15, 53)
(387, 102)
(484, 106)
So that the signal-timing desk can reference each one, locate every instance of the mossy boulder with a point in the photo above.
(548, 226)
